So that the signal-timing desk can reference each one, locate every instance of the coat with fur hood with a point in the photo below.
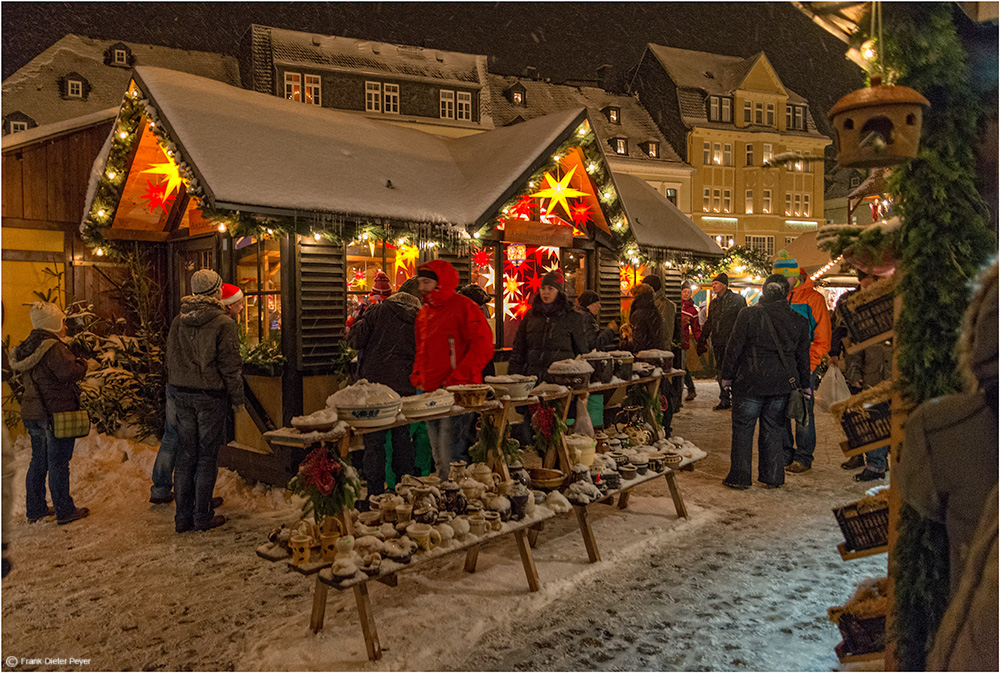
(454, 341)
(50, 372)
(547, 333)
(203, 349)
(386, 341)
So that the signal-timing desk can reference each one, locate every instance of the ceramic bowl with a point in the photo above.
(603, 364)
(470, 395)
(318, 421)
(542, 478)
(370, 416)
(673, 459)
(623, 364)
(574, 381)
(658, 358)
(628, 471)
(428, 404)
(514, 386)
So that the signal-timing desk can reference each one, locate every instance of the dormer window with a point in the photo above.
(720, 109)
(517, 94)
(119, 55)
(518, 98)
(619, 145)
(614, 114)
(652, 148)
(74, 86)
(17, 121)
(855, 181)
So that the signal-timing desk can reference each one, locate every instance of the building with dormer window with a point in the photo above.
(442, 92)
(755, 148)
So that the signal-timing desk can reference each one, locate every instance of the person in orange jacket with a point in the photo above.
(800, 444)
(454, 343)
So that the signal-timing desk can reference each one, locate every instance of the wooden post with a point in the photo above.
(527, 559)
(471, 556)
(319, 607)
(623, 499)
(588, 533)
(895, 501)
(367, 621)
(533, 534)
(675, 493)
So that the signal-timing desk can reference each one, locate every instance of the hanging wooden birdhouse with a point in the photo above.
(878, 125)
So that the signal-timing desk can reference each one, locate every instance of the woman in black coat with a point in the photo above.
(760, 382)
(645, 320)
(550, 331)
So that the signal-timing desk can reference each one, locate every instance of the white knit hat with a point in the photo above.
(47, 316)
(206, 282)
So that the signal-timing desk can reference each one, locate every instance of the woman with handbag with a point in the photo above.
(50, 411)
(766, 363)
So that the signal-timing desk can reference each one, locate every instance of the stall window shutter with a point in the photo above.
(608, 286)
(322, 309)
(461, 263)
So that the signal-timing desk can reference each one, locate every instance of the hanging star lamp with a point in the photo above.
(558, 191)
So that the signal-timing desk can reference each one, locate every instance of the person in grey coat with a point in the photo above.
(205, 371)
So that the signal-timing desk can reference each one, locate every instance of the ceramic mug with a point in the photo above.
(457, 470)
(388, 507)
(424, 535)
(493, 518)
(328, 546)
(478, 525)
(301, 546)
(403, 513)
(372, 518)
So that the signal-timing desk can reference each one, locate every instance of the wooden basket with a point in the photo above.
(867, 425)
(863, 530)
(869, 320)
(862, 636)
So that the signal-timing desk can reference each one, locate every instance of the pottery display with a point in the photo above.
(656, 463)
(478, 525)
(628, 471)
(344, 569)
(505, 487)
(388, 531)
(484, 474)
(301, 546)
(513, 386)
(371, 564)
(328, 546)
(427, 404)
(581, 449)
(460, 524)
(519, 503)
(454, 500)
(404, 513)
(398, 550)
(318, 421)
(603, 441)
(623, 364)
(579, 473)
(657, 358)
(641, 464)
(470, 395)
(620, 457)
(672, 460)
(446, 532)
(493, 519)
(574, 374)
(370, 518)
(422, 497)
(425, 515)
(519, 474)
(544, 478)
(424, 535)
(366, 405)
(457, 471)
(613, 480)
(603, 364)
(472, 489)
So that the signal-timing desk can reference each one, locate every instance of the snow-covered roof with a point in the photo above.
(657, 223)
(252, 150)
(34, 89)
(48, 131)
(875, 184)
(698, 74)
(543, 98)
(292, 46)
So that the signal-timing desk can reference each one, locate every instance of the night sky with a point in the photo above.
(563, 40)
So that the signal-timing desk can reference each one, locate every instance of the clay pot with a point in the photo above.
(518, 506)
(627, 471)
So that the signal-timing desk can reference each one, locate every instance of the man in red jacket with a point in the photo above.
(454, 343)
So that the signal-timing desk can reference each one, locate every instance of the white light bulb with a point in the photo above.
(316, 236)
(100, 213)
(222, 227)
(475, 235)
(99, 252)
(111, 175)
(365, 236)
(123, 135)
(270, 232)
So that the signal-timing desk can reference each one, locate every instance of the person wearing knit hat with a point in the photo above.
(786, 266)
(381, 285)
(722, 311)
(553, 279)
(51, 374)
(232, 300)
(206, 283)
(588, 306)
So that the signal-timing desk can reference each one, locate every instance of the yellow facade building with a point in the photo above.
(755, 148)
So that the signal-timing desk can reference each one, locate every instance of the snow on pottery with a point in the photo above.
(623, 364)
(404, 513)
(557, 502)
(573, 374)
(457, 471)
(318, 421)
(344, 569)
(424, 535)
(519, 505)
(603, 441)
(483, 473)
(641, 464)
(446, 532)
(460, 524)
(371, 564)
(366, 405)
(658, 358)
(672, 459)
(628, 471)
(470, 395)
(514, 386)
(493, 519)
(473, 489)
(398, 550)
(656, 463)
(478, 525)
(581, 448)
(345, 547)
(371, 518)
(603, 364)
(878, 125)
(428, 404)
(642, 369)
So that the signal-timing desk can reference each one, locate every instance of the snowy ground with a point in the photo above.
(743, 585)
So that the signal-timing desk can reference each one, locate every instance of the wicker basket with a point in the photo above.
(862, 636)
(866, 425)
(872, 318)
(863, 530)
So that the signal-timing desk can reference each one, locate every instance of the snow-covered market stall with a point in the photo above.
(303, 207)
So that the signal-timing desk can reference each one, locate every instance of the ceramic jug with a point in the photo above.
(457, 471)
(424, 535)
(472, 489)
(483, 473)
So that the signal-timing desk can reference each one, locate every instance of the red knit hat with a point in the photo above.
(231, 294)
(381, 284)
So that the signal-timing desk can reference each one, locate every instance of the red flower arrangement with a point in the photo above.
(328, 485)
(548, 427)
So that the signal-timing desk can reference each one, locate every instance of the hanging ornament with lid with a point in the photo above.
(878, 125)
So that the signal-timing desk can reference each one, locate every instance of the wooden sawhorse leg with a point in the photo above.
(533, 532)
(623, 499)
(527, 559)
(471, 556)
(319, 607)
(675, 493)
(367, 621)
(588, 534)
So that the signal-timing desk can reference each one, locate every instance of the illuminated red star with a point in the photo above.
(523, 208)
(580, 213)
(534, 283)
(157, 196)
(521, 308)
(482, 257)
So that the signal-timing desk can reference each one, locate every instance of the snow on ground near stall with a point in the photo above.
(742, 585)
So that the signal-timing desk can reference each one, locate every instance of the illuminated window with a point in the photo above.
(706, 198)
(390, 98)
(764, 244)
(748, 203)
(727, 200)
(788, 203)
(749, 154)
(716, 199)
(621, 146)
(768, 154)
(797, 199)
(447, 104)
(258, 275)
(766, 205)
(373, 97)
(293, 86)
(707, 156)
(717, 153)
(614, 115)
(314, 94)
(654, 150)
(805, 205)
(724, 241)
(517, 97)
(672, 195)
(464, 110)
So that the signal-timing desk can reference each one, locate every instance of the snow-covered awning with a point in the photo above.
(657, 223)
(251, 151)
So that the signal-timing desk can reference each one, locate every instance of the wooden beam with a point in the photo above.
(136, 235)
(19, 223)
(33, 256)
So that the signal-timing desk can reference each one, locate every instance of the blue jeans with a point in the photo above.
(201, 426)
(801, 445)
(163, 468)
(449, 441)
(49, 456)
(770, 410)
(403, 457)
(878, 459)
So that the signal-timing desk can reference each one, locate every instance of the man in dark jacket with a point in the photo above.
(50, 373)
(761, 383)
(719, 325)
(550, 331)
(645, 320)
(205, 371)
(588, 307)
(386, 344)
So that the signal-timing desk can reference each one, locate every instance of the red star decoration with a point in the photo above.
(157, 196)
(523, 208)
(534, 283)
(580, 212)
(522, 307)
(482, 257)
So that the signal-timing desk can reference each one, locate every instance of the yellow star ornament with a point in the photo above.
(558, 191)
(171, 172)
